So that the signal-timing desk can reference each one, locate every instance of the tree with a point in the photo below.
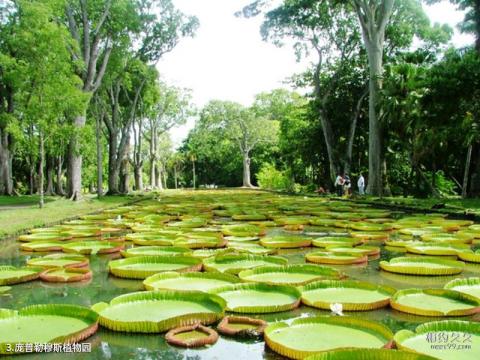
(242, 126)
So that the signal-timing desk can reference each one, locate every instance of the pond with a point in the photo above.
(103, 286)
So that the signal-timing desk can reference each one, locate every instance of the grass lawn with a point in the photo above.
(21, 213)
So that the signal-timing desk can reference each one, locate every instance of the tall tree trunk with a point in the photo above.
(158, 176)
(6, 183)
(74, 173)
(352, 130)
(194, 175)
(466, 171)
(175, 176)
(50, 188)
(60, 190)
(99, 158)
(31, 177)
(113, 166)
(375, 183)
(246, 170)
(164, 173)
(138, 171)
(40, 169)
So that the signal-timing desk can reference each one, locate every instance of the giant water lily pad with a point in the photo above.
(368, 354)
(353, 295)
(189, 281)
(470, 286)
(437, 249)
(325, 241)
(59, 260)
(289, 274)
(42, 246)
(93, 247)
(140, 267)
(12, 275)
(470, 256)
(446, 340)
(308, 336)
(66, 275)
(323, 257)
(44, 237)
(446, 238)
(435, 302)
(155, 251)
(286, 242)
(243, 230)
(235, 263)
(42, 324)
(259, 298)
(191, 336)
(159, 311)
(360, 250)
(199, 242)
(422, 265)
(251, 248)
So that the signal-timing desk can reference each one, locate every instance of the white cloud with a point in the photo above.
(228, 60)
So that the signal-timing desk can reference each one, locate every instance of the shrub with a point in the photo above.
(273, 179)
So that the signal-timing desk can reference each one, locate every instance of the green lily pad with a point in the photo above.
(92, 247)
(243, 230)
(59, 260)
(307, 336)
(189, 281)
(155, 251)
(470, 286)
(12, 275)
(285, 242)
(141, 267)
(353, 295)
(252, 248)
(66, 275)
(323, 257)
(445, 340)
(242, 238)
(470, 256)
(360, 250)
(259, 298)
(323, 242)
(437, 249)
(44, 237)
(289, 274)
(435, 302)
(42, 324)
(159, 311)
(422, 265)
(42, 246)
(235, 263)
(369, 354)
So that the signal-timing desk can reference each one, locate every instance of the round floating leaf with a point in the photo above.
(368, 226)
(289, 274)
(360, 250)
(252, 248)
(435, 302)
(191, 336)
(44, 237)
(307, 336)
(155, 251)
(446, 238)
(42, 324)
(235, 263)
(369, 354)
(322, 257)
(370, 235)
(66, 275)
(436, 249)
(242, 238)
(243, 230)
(285, 242)
(442, 339)
(199, 242)
(353, 295)
(140, 267)
(326, 241)
(12, 275)
(249, 217)
(422, 265)
(159, 311)
(259, 298)
(93, 247)
(42, 246)
(189, 223)
(470, 256)
(470, 286)
(242, 326)
(189, 281)
(59, 260)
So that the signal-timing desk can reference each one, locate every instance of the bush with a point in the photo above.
(270, 178)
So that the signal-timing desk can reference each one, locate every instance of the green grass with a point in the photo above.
(29, 215)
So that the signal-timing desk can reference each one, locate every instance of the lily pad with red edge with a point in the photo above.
(323, 257)
(59, 261)
(242, 326)
(66, 275)
(191, 336)
(422, 265)
(10, 275)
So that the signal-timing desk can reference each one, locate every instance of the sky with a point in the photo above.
(228, 60)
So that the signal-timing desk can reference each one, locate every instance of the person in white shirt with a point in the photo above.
(339, 181)
(361, 185)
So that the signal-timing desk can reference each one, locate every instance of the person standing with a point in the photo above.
(339, 181)
(346, 185)
(361, 184)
